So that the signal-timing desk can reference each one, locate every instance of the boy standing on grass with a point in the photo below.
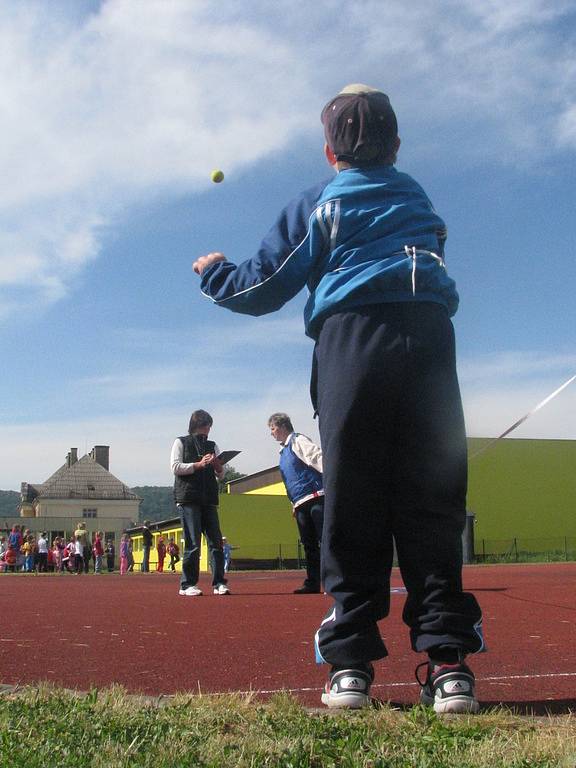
(370, 248)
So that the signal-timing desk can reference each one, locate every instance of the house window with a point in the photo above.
(89, 513)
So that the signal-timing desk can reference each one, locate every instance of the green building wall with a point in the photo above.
(522, 488)
(260, 527)
(517, 489)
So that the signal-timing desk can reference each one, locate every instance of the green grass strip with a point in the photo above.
(46, 726)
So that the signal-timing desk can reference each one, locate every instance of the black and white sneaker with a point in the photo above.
(449, 688)
(349, 688)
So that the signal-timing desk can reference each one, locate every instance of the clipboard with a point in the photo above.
(227, 456)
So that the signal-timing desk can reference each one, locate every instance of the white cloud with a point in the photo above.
(496, 393)
(140, 443)
(140, 98)
(499, 390)
(566, 130)
(223, 362)
(517, 15)
(491, 412)
(512, 367)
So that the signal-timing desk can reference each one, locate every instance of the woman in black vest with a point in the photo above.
(196, 471)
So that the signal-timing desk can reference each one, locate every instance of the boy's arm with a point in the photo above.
(276, 274)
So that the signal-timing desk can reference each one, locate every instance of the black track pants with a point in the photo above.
(394, 455)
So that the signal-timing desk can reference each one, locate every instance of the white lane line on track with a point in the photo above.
(494, 678)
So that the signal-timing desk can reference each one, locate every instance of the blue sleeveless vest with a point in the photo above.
(300, 479)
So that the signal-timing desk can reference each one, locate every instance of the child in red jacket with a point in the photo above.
(10, 558)
(161, 550)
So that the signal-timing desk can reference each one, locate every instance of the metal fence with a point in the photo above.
(268, 557)
(513, 550)
(525, 550)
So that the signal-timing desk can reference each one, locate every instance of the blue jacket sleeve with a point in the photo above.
(279, 270)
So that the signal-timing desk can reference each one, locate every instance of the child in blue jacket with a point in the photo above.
(369, 246)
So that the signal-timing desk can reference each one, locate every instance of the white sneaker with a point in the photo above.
(221, 589)
(190, 592)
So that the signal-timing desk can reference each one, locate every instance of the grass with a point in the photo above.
(110, 729)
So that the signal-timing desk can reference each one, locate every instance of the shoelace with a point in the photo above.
(417, 670)
(412, 253)
(431, 670)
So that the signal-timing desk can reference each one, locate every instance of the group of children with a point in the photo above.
(22, 551)
(162, 549)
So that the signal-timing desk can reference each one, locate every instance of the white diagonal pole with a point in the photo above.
(523, 419)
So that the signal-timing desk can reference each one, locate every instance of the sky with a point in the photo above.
(113, 115)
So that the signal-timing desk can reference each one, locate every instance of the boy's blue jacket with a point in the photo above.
(367, 236)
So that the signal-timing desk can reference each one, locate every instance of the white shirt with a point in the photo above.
(42, 546)
(310, 454)
(180, 467)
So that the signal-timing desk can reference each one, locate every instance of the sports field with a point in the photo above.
(91, 631)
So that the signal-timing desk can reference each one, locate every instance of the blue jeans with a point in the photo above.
(198, 519)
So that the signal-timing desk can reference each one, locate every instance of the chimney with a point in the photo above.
(72, 457)
(101, 455)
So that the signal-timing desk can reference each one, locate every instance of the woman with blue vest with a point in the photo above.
(301, 470)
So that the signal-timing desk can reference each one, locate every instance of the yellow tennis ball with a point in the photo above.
(217, 176)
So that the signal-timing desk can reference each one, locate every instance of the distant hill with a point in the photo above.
(157, 500)
(9, 503)
(157, 503)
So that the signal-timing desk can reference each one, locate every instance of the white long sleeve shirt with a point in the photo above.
(180, 467)
(308, 452)
(305, 450)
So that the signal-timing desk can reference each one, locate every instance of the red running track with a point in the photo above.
(92, 631)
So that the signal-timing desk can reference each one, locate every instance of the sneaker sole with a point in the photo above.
(350, 700)
(456, 706)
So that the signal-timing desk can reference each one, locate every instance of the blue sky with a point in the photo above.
(113, 115)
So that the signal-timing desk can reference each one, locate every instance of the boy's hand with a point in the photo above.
(206, 261)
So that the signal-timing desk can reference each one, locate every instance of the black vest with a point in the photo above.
(201, 487)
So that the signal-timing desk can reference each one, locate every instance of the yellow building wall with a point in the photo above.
(167, 534)
(258, 526)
